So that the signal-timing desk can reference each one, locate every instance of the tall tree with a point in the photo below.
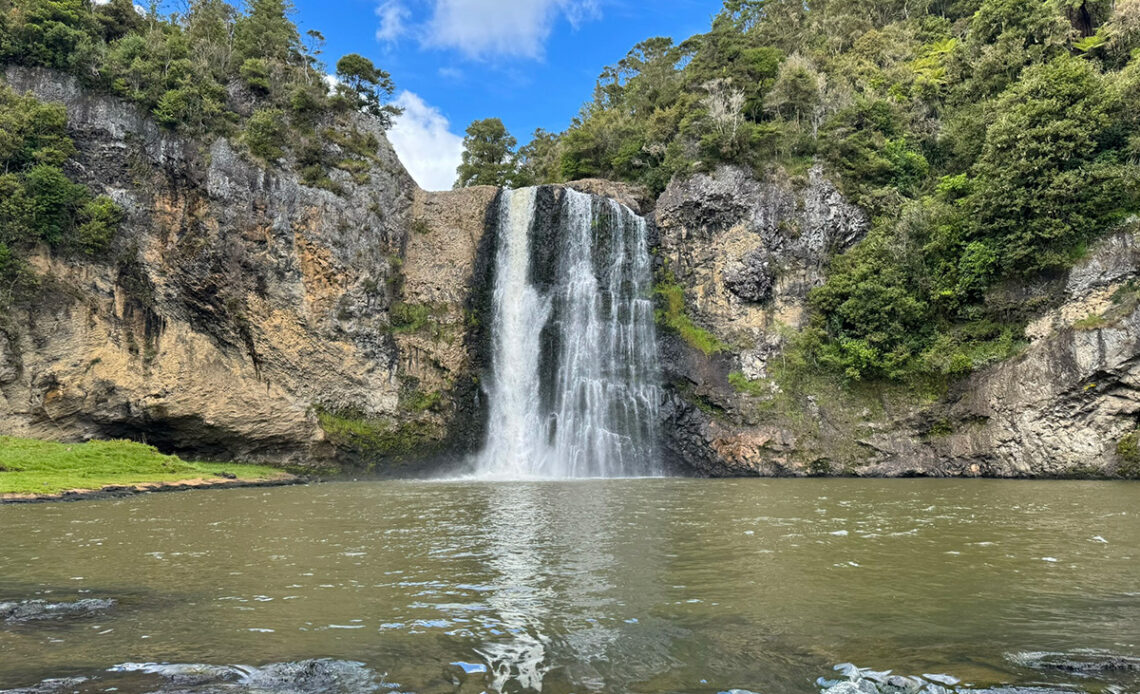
(267, 32)
(366, 87)
(488, 155)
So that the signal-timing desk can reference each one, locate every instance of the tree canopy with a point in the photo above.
(489, 157)
(213, 69)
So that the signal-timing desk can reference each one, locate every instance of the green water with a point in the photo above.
(640, 585)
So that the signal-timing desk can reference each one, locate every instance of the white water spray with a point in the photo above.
(574, 392)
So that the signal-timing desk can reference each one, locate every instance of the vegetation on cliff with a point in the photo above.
(39, 467)
(213, 69)
(489, 157)
(39, 203)
(991, 140)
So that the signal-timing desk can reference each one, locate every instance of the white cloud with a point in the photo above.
(422, 137)
(485, 28)
(393, 20)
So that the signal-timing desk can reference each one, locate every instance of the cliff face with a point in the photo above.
(1059, 408)
(240, 313)
(244, 315)
(747, 252)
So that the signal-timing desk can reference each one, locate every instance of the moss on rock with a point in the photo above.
(375, 439)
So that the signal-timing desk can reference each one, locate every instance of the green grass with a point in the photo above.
(40, 467)
(1092, 321)
(742, 384)
(672, 315)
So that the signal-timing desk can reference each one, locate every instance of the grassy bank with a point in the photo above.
(43, 468)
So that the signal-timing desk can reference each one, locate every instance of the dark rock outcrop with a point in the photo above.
(753, 279)
(324, 676)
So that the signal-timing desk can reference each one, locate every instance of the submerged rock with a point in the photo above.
(322, 676)
(867, 681)
(1084, 663)
(36, 610)
(305, 677)
(49, 686)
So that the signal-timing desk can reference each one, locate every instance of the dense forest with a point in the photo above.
(991, 141)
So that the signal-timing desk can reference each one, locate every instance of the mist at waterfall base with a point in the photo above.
(574, 389)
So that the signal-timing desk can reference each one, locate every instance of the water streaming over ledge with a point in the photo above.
(575, 386)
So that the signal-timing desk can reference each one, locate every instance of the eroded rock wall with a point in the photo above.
(240, 314)
(244, 315)
(747, 252)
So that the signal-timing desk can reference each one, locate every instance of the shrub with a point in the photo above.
(672, 314)
(265, 133)
(99, 220)
(1128, 453)
(254, 74)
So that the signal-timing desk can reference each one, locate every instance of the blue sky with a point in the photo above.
(530, 62)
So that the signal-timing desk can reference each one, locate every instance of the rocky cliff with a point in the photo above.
(746, 252)
(244, 315)
(240, 313)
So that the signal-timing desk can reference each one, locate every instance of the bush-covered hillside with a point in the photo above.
(212, 68)
(208, 71)
(39, 204)
(990, 139)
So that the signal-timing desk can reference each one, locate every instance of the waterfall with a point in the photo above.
(574, 389)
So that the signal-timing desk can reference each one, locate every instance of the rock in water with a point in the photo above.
(322, 676)
(36, 610)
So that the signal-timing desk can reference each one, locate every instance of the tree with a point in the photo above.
(1004, 37)
(1044, 182)
(488, 155)
(1123, 31)
(725, 107)
(540, 160)
(366, 87)
(267, 32)
(265, 133)
(210, 25)
(798, 92)
(118, 18)
(872, 309)
(53, 33)
(55, 201)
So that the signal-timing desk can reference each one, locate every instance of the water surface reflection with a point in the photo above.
(634, 585)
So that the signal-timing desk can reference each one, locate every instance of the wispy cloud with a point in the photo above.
(393, 21)
(423, 139)
(484, 29)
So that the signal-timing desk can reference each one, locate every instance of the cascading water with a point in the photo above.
(574, 392)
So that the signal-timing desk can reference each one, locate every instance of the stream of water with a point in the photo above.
(574, 390)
